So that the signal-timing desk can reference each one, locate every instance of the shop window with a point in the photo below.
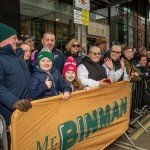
(47, 16)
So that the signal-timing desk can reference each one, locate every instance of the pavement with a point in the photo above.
(139, 137)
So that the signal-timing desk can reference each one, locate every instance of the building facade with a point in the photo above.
(125, 21)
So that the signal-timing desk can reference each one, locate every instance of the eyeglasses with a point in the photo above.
(73, 45)
(96, 54)
(116, 52)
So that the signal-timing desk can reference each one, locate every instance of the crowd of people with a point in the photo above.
(28, 74)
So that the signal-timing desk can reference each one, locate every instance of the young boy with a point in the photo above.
(46, 80)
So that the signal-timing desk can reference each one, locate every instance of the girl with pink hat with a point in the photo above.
(70, 75)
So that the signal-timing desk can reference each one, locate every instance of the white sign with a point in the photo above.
(83, 4)
(77, 16)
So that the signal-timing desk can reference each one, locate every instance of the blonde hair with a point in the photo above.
(69, 45)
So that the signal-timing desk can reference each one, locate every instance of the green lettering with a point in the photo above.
(123, 106)
(68, 135)
(80, 128)
(45, 145)
(104, 118)
(91, 124)
(115, 112)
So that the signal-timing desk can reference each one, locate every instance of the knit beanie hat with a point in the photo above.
(6, 32)
(45, 52)
(70, 65)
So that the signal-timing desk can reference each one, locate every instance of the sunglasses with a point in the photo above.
(96, 54)
(115, 52)
(73, 45)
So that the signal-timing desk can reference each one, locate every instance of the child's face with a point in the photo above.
(45, 64)
(70, 76)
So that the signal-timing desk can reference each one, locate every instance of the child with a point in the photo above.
(46, 80)
(70, 75)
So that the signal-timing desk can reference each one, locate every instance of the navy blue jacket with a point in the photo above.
(38, 89)
(14, 80)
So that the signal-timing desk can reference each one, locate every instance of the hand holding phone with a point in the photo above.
(107, 81)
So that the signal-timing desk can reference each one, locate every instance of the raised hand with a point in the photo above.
(122, 63)
(48, 82)
(108, 63)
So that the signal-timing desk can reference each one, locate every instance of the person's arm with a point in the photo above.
(37, 89)
(110, 73)
(8, 99)
(82, 73)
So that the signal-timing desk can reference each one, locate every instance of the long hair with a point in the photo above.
(77, 83)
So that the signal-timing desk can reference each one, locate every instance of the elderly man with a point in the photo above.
(14, 75)
(90, 72)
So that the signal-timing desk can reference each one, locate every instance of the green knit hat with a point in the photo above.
(45, 52)
(6, 32)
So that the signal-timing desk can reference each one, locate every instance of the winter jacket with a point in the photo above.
(145, 72)
(76, 57)
(14, 80)
(38, 89)
(128, 65)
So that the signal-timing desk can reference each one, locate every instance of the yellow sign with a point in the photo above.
(85, 122)
(85, 13)
(85, 17)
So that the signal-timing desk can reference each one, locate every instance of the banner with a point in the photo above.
(86, 121)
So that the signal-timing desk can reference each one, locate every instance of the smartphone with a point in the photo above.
(107, 81)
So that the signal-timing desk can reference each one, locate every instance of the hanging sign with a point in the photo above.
(83, 4)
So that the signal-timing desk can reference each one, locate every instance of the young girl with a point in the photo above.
(46, 80)
(70, 75)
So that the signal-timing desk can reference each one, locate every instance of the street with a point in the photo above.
(139, 137)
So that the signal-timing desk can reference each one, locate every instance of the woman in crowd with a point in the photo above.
(72, 49)
(46, 80)
(145, 73)
(70, 75)
(27, 53)
(117, 64)
(90, 72)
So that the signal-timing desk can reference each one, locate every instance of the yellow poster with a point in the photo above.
(85, 17)
(87, 121)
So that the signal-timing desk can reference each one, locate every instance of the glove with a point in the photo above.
(22, 105)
